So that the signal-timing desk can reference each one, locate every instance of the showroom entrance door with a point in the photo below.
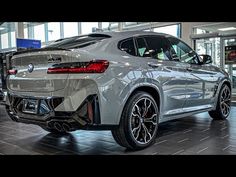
(223, 52)
(229, 59)
(209, 46)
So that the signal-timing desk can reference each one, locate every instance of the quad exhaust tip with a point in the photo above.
(62, 127)
(66, 127)
(58, 126)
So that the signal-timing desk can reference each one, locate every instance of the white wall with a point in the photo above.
(19, 26)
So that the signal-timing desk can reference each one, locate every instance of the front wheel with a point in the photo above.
(223, 106)
(139, 122)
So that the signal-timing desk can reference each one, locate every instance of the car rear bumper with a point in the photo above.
(2, 96)
(87, 116)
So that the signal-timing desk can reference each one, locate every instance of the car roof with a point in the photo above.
(117, 34)
(122, 34)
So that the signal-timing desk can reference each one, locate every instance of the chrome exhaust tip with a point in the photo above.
(58, 126)
(66, 127)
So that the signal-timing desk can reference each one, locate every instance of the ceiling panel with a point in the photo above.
(214, 27)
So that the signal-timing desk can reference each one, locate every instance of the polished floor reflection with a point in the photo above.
(198, 134)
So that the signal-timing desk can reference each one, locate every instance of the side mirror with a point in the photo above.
(205, 59)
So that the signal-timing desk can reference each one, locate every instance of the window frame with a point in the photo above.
(136, 44)
(171, 45)
(160, 36)
(126, 39)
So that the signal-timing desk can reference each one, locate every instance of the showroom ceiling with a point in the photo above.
(212, 27)
(218, 27)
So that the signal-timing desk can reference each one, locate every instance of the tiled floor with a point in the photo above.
(198, 134)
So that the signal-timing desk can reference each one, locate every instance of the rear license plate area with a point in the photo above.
(30, 106)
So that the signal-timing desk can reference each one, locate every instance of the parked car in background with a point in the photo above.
(126, 82)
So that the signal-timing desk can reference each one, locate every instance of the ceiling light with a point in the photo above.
(1, 28)
(227, 29)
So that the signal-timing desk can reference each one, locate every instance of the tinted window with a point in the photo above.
(128, 46)
(182, 52)
(142, 48)
(158, 47)
(78, 41)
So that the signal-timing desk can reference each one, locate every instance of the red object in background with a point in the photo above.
(232, 55)
(12, 72)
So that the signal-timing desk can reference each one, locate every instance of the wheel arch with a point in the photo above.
(151, 89)
(228, 83)
(148, 89)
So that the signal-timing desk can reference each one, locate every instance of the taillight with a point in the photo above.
(12, 72)
(94, 66)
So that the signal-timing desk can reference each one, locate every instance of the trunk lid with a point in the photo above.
(38, 80)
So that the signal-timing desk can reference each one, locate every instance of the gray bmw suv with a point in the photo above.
(126, 82)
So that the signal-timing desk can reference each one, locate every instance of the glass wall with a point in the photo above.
(88, 27)
(105, 26)
(230, 61)
(209, 46)
(26, 33)
(39, 32)
(13, 39)
(53, 31)
(173, 30)
(7, 35)
(113, 26)
(4, 41)
(70, 29)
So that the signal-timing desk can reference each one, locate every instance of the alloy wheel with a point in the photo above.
(143, 121)
(225, 100)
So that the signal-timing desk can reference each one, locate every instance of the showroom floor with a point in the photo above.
(192, 135)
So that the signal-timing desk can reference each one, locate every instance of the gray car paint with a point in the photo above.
(182, 92)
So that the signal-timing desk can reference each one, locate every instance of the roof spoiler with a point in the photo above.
(37, 50)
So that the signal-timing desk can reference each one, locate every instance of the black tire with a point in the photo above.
(218, 113)
(124, 135)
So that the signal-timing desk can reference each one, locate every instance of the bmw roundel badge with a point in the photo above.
(30, 67)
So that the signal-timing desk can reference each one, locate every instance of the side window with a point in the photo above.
(128, 46)
(182, 52)
(159, 47)
(142, 48)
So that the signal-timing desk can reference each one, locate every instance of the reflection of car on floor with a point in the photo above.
(126, 82)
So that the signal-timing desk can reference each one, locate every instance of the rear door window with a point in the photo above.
(128, 46)
(159, 47)
(156, 47)
(142, 48)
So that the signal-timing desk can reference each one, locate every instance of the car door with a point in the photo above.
(169, 74)
(200, 85)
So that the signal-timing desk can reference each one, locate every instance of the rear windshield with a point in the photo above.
(78, 41)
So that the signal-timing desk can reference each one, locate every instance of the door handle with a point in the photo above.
(154, 65)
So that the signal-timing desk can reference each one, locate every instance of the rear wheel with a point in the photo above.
(223, 106)
(139, 122)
